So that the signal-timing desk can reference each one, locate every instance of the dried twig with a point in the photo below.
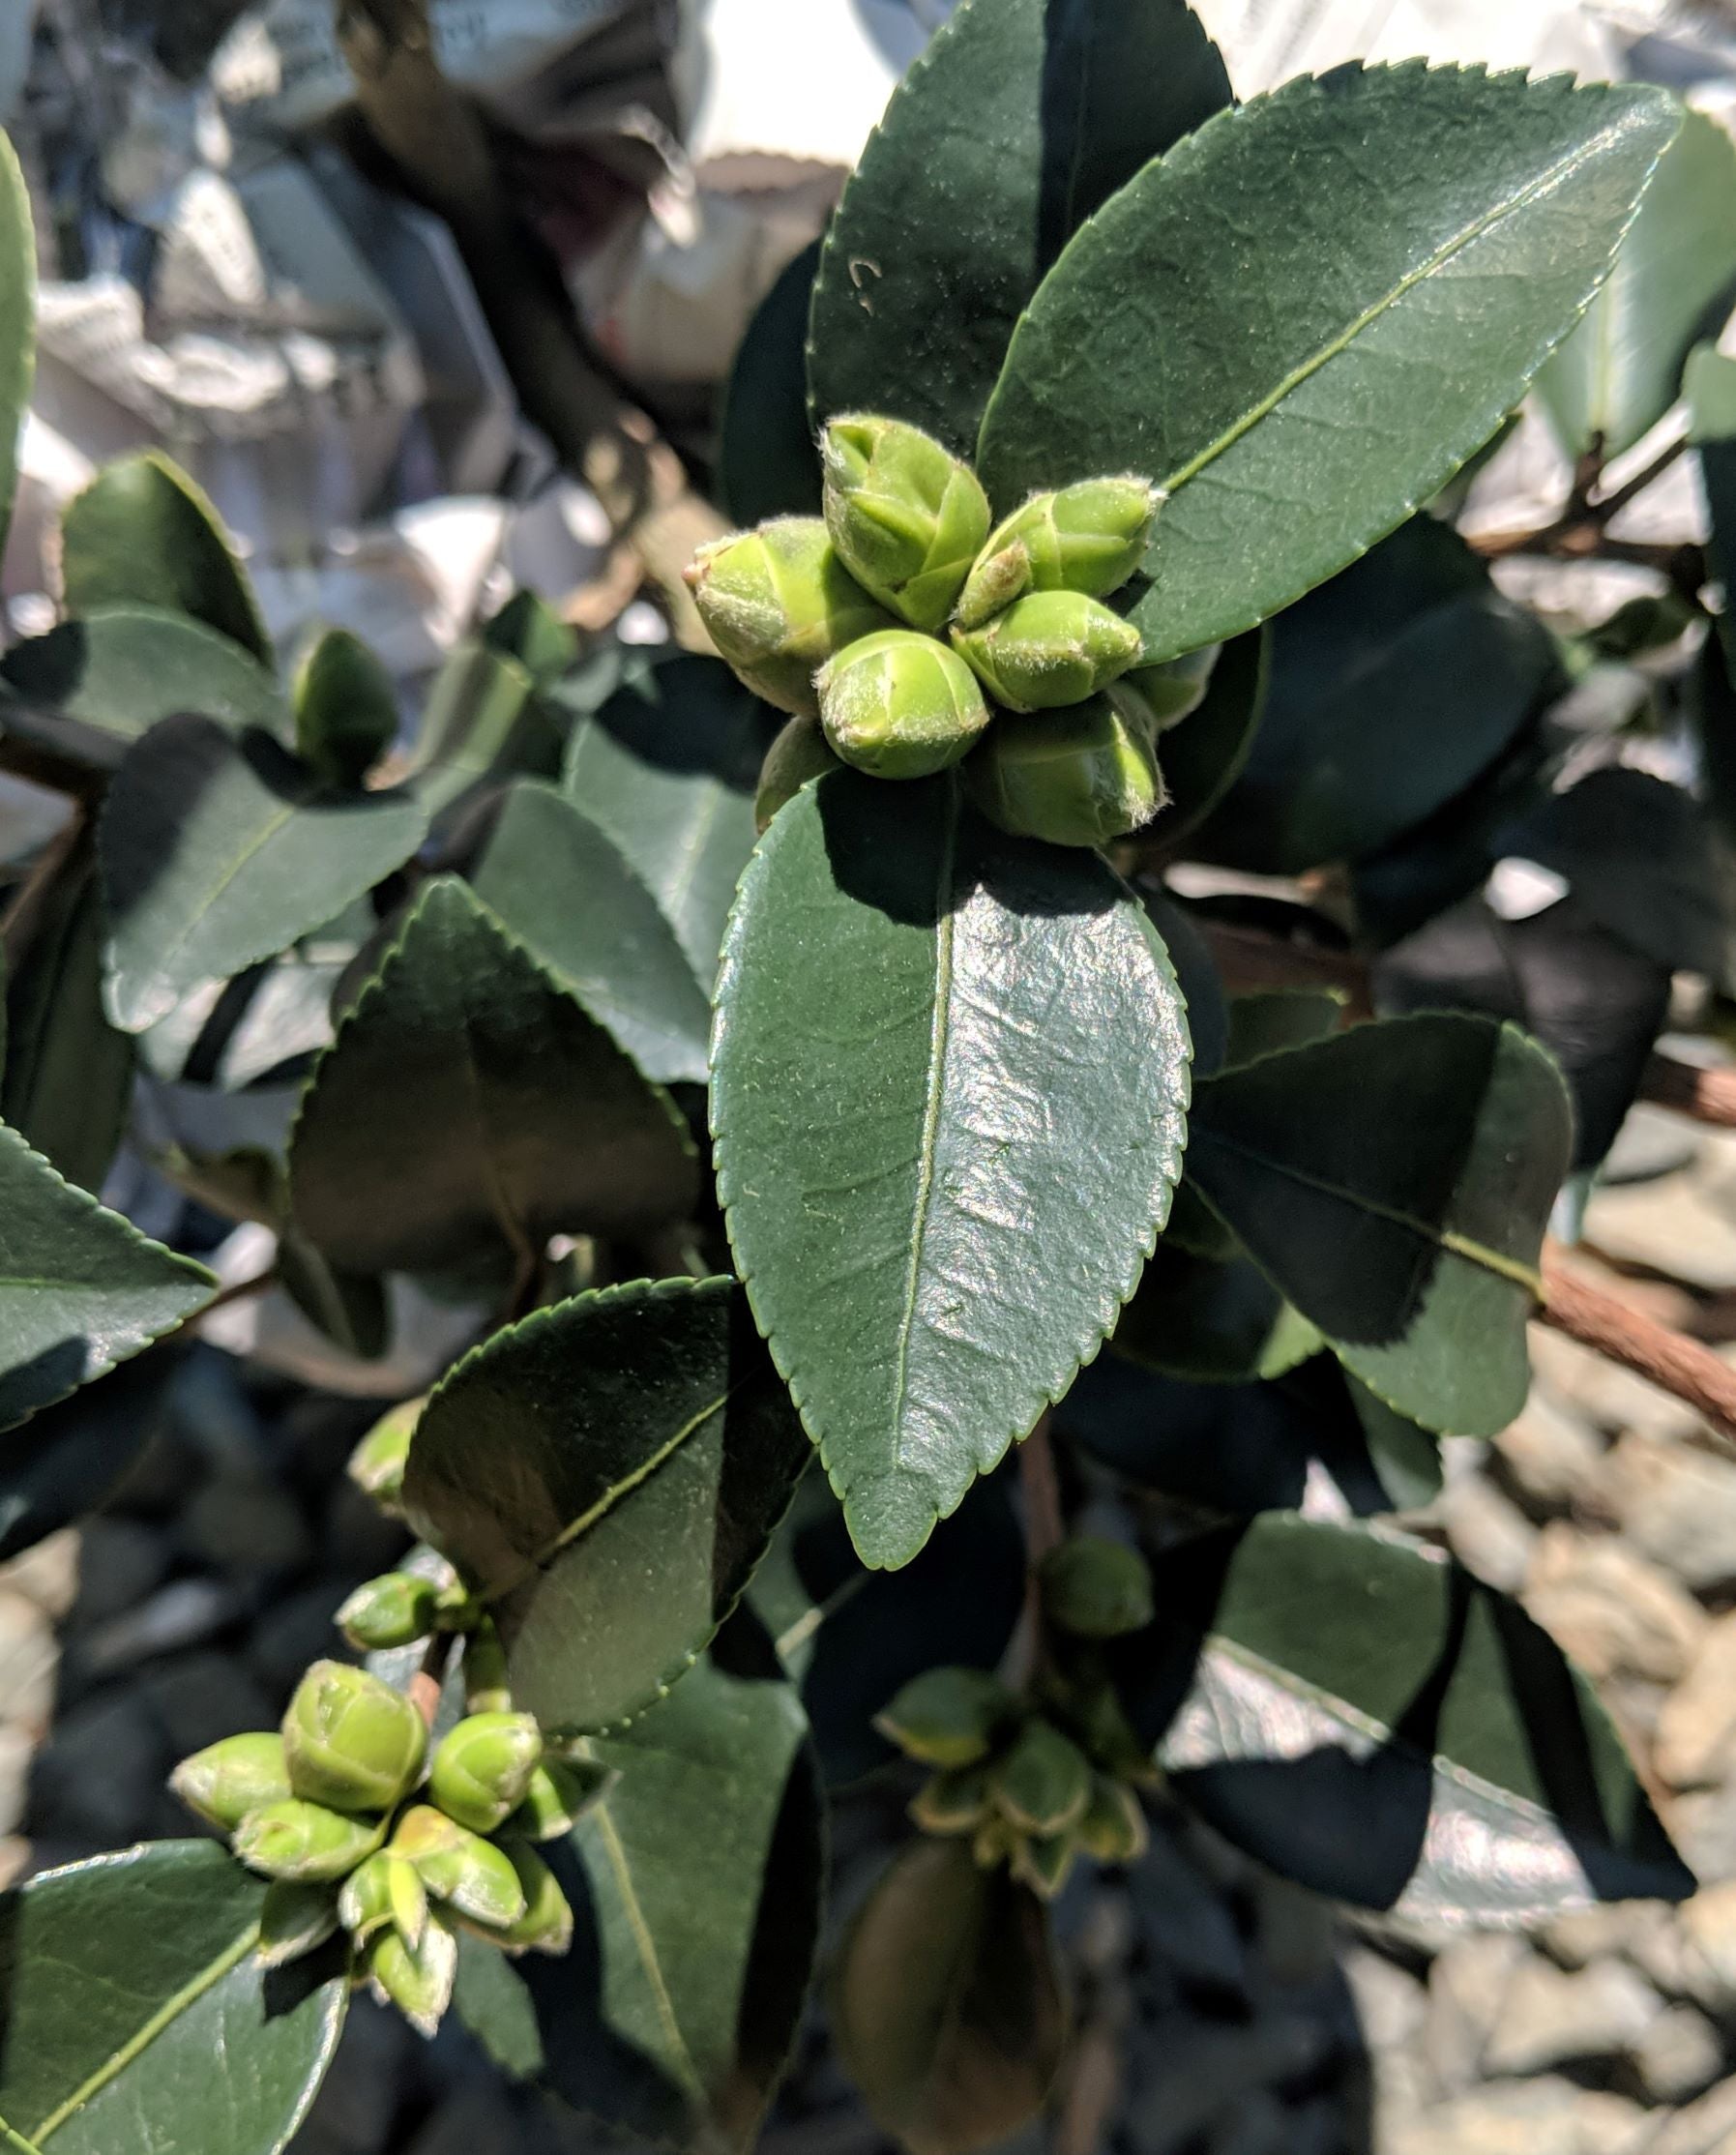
(438, 141)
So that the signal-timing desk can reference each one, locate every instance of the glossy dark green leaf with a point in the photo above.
(1367, 1720)
(68, 1074)
(1274, 1019)
(949, 1085)
(1244, 1448)
(852, 1639)
(122, 669)
(1390, 689)
(1637, 855)
(1673, 280)
(468, 1103)
(1213, 1320)
(1019, 121)
(1395, 1181)
(137, 2016)
(1299, 367)
(564, 887)
(484, 717)
(218, 852)
(1203, 756)
(696, 1888)
(529, 629)
(17, 310)
(947, 2004)
(68, 1458)
(641, 1419)
(141, 534)
(669, 768)
(346, 708)
(767, 464)
(81, 1288)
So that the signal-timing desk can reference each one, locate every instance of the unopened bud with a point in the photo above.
(1173, 690)
(560, 1793)
(306, 1842)
(995, 1841)
(1043, 1782)
(547, 1924)
(948, 1717)
(1076, 778)
(353, 1743)
(377, 1464)
(1112, 1827)
(952, 1803)
(294, 1920)
(225, 1782)
(800, 753)
(1001, 574)
(387, 1888)
(779, 603)
(899, 705)
(486, 1690)
(483, 1770)
(1049, 649)
(395, 1610)
(907, 516)
(417, 1980)
(1043, 1862)
(461, 1867)
(1095, 1588)
(1088, 538)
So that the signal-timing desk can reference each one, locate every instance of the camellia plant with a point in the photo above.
(816, 1049)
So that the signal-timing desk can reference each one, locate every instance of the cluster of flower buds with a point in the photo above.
(1033, 1783)
(365, 1828)
(904, 636)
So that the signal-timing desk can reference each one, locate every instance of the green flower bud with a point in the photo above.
(483, 1770)
(800, 753)
(1095, 1588)
(1088, 538)
(225, 1782)
(997, 579)
(304, 1842)
(948, 1717)
(952, 1803)
(560, 1793)
(1074, 777)
(1049, 650)
(295, 1920)
(377, 1464)
(1171, 692)
(995, 1841)
(353, 1743)
(387, 1888)
(461, 1867)
(1043, 1861)
(485, 1668)
(417, 1979)
(779, 603)
(395, 1610)
(909, 518)
(547, 1924)
(899, 705)
(1043, 1782)
(1113, 1827)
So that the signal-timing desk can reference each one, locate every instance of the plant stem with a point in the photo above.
(1707, 1096)
(1045, 1527)
(1610, 506)
(440, 144)
(239, 1290)
(429, 1680)
(1675, 1364)
(24, 914)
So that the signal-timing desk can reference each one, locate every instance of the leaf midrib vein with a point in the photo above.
(648, 1956)
(1443, 1238)
(939, 1030)
(189, 1993)
(1563, 168)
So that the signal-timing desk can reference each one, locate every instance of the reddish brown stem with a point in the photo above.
(1708, 1096)
(1675, 1364)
